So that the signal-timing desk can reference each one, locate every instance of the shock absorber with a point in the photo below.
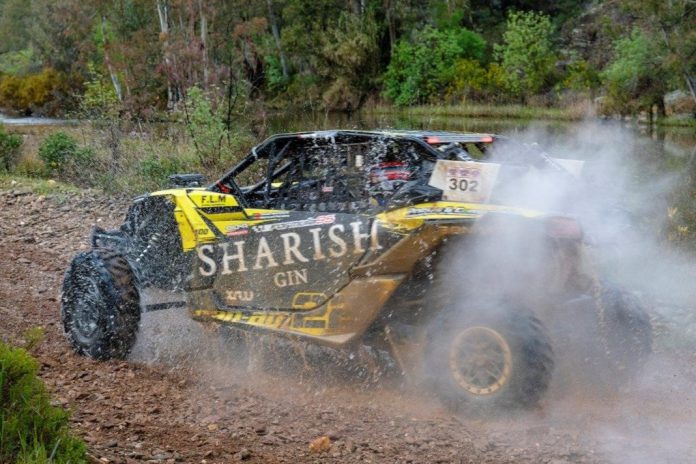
(151, 243)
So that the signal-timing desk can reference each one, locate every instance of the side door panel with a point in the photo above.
(284, 260)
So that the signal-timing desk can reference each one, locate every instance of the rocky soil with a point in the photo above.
(177, 400)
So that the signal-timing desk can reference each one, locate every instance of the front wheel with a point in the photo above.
(489, 359)
(100, 305)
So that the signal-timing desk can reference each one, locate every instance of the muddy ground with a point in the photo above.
(175, 401)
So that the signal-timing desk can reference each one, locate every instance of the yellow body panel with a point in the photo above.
(330, 319)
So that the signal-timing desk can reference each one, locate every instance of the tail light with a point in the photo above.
(564, 227)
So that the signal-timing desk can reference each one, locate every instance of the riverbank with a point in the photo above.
(577, 112)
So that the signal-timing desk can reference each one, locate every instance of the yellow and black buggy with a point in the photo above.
(408, 243)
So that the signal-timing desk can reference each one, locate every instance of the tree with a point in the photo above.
(670, 27)
(635, 79)
(349, 53)
(423, 69)
(527, 54)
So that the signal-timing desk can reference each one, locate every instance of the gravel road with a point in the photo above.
(178, 400)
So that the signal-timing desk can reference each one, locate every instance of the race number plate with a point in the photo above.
(572, 166)
(466, 181)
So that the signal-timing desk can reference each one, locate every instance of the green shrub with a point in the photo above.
(10, 145)
(156, 170)
(475, 81)
(635, 78)
(31, 430)
(421, 71)
(206, 126)
(59, 152)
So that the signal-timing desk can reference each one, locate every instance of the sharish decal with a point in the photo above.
(287, 249)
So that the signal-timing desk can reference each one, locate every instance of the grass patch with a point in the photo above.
(37, 185)
(31, 430)
(672, 121)
(571, 113)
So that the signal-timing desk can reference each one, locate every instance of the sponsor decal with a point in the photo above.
(290, 278)
(259, 216)
(213, 199)
(448, 210)
(201, 231)
(309, 222)
(287, 249)
(472, 173)
(235, 296)
(272, 319)
(308, 300)
(236, 230)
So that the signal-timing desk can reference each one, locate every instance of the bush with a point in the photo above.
(421, 71)
(156, 170)
(31, 430)
(35, 91)
(635, 78)
(207, 127)
(472, 80)
(59, 151)
(10, 145)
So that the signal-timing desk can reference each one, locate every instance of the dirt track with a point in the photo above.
(174, 403)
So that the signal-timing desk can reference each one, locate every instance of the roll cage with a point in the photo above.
(363, 168)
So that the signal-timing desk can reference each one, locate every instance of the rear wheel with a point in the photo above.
(628, 331)
(604, 339)
(490, 358)
(100, 305)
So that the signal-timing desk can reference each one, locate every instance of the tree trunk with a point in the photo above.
(661, 112)
(690, 84)
(204, 43)
(389, 15)
(276, 38)
(114, 78)
(163, 14)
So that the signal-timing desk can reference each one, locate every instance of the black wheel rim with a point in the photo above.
(86, 309)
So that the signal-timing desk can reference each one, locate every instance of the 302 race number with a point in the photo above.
(463, 185)
(465, 181)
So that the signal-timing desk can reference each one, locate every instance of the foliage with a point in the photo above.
(634, 79)
(206, 125)
(275, 81)
(59, 151)
(18, 62)
(157, 169)
(349, 52)
(134, 60)
(10, 145)
(29, 93)
(527, 54)
(581, 76)
(99, 100)
(31, 430)
(421, 70)
(670, 27)
(475, 81)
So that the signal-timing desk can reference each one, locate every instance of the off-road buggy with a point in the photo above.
(407, 244)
